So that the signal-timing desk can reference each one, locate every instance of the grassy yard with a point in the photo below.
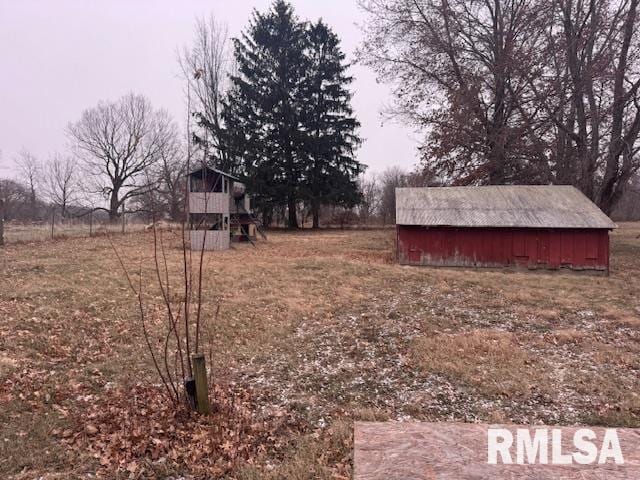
(315, 330)
(42, 231)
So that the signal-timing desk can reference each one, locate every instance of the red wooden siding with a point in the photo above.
(578, 249)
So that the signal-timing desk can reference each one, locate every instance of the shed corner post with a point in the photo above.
(397, 243)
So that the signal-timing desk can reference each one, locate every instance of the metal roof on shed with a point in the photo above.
(534, 206)
(197, 172)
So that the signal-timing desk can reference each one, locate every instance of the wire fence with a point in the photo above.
(57, 228)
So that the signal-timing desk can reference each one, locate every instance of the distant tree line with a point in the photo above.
(124, 152)
(378, 205)
(505, 91)
(516, 91)
(272, 107)
(39, 187)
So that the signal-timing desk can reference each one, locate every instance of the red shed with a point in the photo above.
(541, 226)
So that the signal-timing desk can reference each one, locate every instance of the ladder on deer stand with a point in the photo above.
(254, 221)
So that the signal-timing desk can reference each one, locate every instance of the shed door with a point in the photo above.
(414, 252)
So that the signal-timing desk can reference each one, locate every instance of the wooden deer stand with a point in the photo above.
(219, 211)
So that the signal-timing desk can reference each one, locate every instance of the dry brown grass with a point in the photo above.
(62, 230)
(566, 336)
(326, 327)
(491, 360)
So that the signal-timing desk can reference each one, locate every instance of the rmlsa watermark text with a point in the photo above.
(544, 447)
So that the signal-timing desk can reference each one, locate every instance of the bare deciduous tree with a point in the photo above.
(622, 160)
(29, 169)
(370, 204)
(391, 178)
(172, 189)
(629, 205)
(205, 67)
(15, 197)
(516, 91)
(453, 67)
(118, 142)
(60, 182)
(167, 198)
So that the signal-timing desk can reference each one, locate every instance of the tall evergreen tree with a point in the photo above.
(265, 107)
(288, 115)
(331, 170)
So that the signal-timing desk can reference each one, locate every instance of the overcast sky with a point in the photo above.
(60, 57)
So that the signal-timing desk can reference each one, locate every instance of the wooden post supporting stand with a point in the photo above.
(202, 389)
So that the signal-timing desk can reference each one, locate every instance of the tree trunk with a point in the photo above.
(114, 206)
(33, 205)
(580, 88)
(315, 210)
(619, 169)
(176, 209)
(293, 216)
(267, 217)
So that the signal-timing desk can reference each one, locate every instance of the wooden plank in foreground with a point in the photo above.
(456, 451)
